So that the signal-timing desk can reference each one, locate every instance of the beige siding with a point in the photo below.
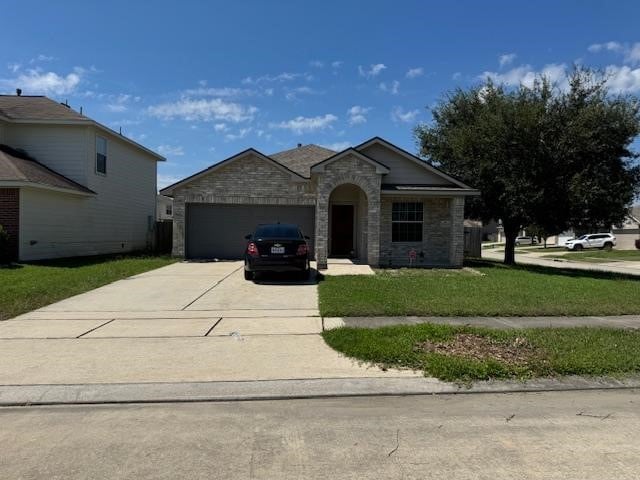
(62, 148)
(402, 170)
(117, 219)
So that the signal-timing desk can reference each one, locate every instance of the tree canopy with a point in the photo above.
(541, 156)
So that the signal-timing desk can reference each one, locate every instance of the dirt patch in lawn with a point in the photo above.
(516, 352)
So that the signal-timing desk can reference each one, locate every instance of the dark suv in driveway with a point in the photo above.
(276, 247)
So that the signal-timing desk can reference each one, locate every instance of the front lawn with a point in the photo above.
(600, 256)
(26, 287)
(464, 353)
(490, 289)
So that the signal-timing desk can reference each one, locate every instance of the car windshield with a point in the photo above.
(582, 237)
(277, 231)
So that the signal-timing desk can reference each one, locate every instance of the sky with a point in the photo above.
(200, 81)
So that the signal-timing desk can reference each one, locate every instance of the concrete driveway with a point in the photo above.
(183, 322)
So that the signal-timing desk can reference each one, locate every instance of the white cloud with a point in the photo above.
(243, 132)
(292, 94)
(170, 150)
(623, 79)
(281, 77)
(227, 92)
(399, 115)
(414, 72)
(456, 76)
(120, 103)
(391, 88)
(301, 124)
(220, 127)
(35, 81)
(337, 64)
(316, 64)
(506, 59)
(14, 67)
(631, 52)
(373, 71)
(337, 146)
(42, 58)
(608, 46)
(357, 114)
(526, 75)
(203, 110)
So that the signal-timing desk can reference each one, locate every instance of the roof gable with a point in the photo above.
(380, 167)
(250, 151)
(302, 158)
(415, 165)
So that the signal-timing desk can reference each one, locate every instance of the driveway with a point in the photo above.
(183, 322)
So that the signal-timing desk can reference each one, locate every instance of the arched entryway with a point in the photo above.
(348, 219)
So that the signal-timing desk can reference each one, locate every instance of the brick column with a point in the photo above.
(322, 230)
(10, 218)
(456, 253)
(373, 228)
(178, 226)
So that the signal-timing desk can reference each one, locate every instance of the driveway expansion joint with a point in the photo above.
(95, 328)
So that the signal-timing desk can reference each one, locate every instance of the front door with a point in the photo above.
(341, 230)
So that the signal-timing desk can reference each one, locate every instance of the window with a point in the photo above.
(101, 155)
(169, 210)
(406, 222)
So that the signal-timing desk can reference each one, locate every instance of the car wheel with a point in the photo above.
(578, 247)
(248, 275)
(608, 246)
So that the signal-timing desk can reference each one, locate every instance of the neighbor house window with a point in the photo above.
(169, 210)
(101, 155)
(406, 222)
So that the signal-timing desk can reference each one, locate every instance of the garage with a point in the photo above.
(218, 230)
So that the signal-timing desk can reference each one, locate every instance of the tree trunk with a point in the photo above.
(510, 235)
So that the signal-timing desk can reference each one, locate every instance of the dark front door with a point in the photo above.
(341, 230)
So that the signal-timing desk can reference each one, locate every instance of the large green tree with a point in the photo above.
(539, 155)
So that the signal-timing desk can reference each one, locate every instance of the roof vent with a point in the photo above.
(299, 145)
(18, 91)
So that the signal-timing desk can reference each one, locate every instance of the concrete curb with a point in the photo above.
(124, 393)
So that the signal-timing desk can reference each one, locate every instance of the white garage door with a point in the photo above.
(217, 230)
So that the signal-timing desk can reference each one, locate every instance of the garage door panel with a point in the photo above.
(217, 230)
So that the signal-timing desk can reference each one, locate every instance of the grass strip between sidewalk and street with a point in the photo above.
(486, 289)
(464, 354)
(600, 256)
(28, 286)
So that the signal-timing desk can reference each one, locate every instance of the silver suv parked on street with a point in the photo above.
(592, 240)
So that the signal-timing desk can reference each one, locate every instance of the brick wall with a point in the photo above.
(442, 233)
(246, 181)
(10, 217)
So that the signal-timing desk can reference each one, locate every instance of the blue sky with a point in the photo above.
(199, 81)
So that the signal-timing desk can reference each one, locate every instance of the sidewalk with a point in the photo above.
(532, 258)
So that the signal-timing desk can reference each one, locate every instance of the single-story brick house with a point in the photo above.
(374, 202)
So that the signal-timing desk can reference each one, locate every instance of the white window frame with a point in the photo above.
(106, 156)
(421, 222)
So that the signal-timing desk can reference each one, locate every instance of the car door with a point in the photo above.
(596, 241)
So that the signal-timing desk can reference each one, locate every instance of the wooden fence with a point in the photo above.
(473, 242)
(164, 236)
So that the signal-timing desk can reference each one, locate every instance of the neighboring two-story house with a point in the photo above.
(70, 186)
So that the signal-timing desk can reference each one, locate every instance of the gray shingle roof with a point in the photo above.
(25, 107)
(301, 159)
(17, 166)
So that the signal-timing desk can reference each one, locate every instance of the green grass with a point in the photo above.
(29, 286)
(525, 290)
(600, 256)
(564, 351)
